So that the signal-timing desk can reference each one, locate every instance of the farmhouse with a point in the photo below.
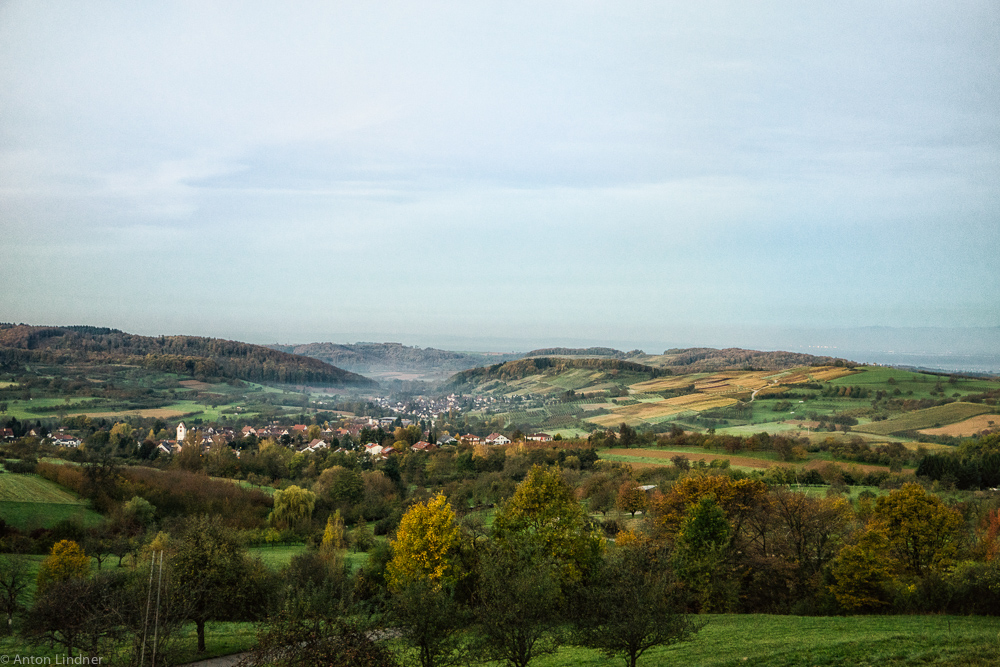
(497, 439)
(64, 440)
(315, 446)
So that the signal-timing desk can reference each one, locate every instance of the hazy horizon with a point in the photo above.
(720, 174)
(970, 349)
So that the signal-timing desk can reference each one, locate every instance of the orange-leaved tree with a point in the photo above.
(631, 498)
(738, 498)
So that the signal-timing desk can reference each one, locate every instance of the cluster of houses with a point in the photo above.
(61, 439)
(209, 436)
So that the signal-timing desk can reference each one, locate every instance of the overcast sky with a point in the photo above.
(601, 171)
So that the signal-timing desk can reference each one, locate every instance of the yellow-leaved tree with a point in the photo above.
(66, 561)
(912, 534)
(333, 536)
(545, 509)
(425, 546)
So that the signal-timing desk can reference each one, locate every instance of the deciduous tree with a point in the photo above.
(214, 576)
(66, 561)
(631, 498)
(521, 602)
(922, 532)
(333, 535)
(425, 546)
(544, 505)
(700, 557)
(14, 579)
(293, 508)
(631, 605)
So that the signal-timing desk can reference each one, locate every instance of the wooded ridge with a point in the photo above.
(189, 355)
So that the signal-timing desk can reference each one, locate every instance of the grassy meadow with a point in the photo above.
(928, 418)
(29, 501)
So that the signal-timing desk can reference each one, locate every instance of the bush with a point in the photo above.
(612, 527)
(975, 588)
(387, 525)
(20, 466)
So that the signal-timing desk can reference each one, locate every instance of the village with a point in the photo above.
(348, 437)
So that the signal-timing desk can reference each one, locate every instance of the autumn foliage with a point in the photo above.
(67, 561)
(425, 545)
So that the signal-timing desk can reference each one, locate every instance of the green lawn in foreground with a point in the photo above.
(726, 640)
(793, 641)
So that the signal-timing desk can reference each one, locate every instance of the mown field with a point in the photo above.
(967, 427)
(927, 418)
(29, 501)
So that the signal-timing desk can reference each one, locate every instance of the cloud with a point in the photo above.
(524, 163)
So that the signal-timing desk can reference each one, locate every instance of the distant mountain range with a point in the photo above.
(187, 355)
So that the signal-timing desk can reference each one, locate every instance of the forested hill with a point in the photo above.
(187, 355)
(367, 357)
(674, 361)
(702, 359)
(582, 352)
(522, 368)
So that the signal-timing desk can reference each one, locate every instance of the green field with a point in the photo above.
(803, 641)
(793, 641)
(771, 427)
(567, 433)
(29, 501)
(939, 415)
(279, 556)
(33, 489)
(725, 641)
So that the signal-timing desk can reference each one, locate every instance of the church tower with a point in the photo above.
(181, 433)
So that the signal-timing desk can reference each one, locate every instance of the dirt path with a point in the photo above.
(753, 394)
(220, 661)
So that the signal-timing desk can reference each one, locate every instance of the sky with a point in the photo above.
(491, 172)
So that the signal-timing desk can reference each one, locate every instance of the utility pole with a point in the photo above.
(156, 624)
(149, 600)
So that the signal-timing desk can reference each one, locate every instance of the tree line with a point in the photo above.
(189, 355)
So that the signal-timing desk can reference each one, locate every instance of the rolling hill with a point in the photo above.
(389, 359)
(202, 358)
